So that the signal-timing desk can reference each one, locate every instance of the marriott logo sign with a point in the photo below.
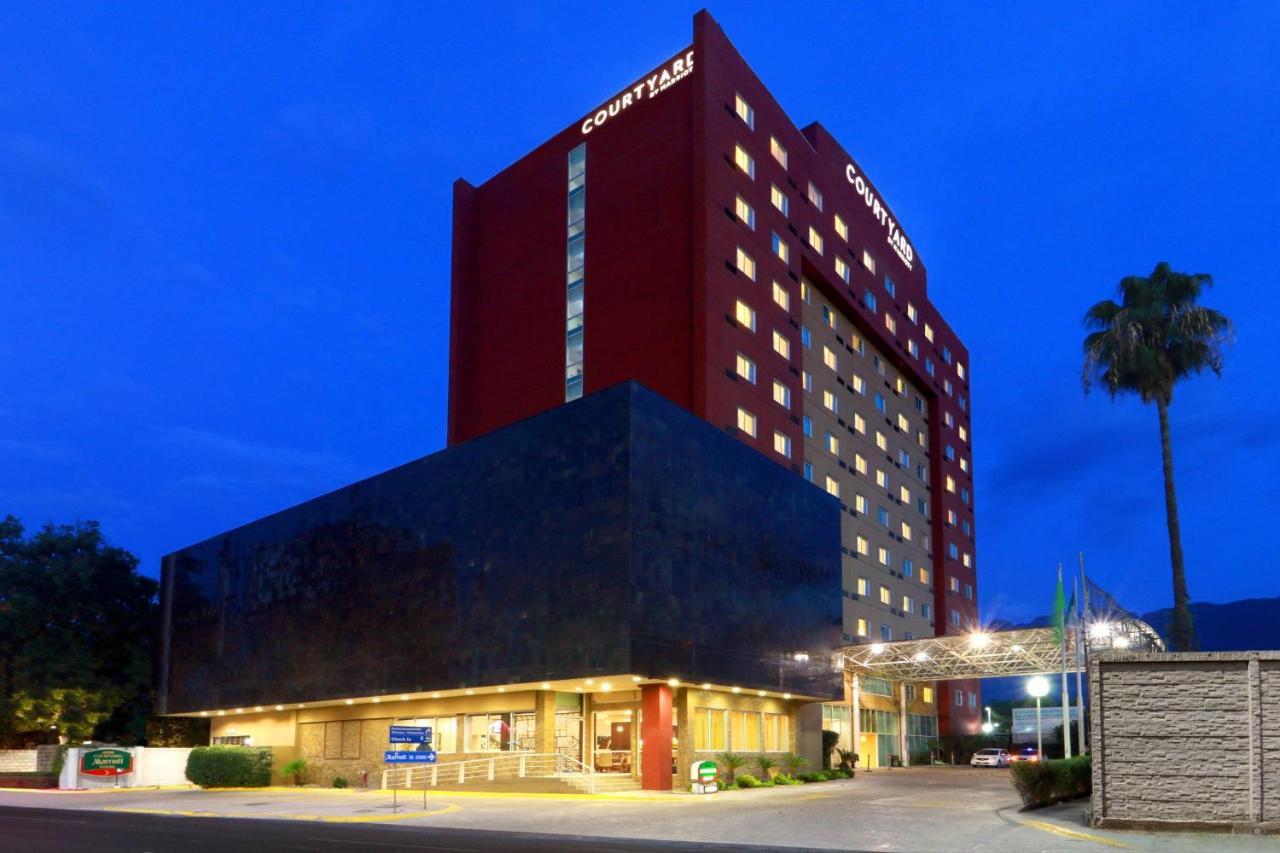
(650, 87)
(895, 237)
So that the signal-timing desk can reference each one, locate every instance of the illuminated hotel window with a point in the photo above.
(744, 111)
(833, 486)
(881, 441)
(833, 444)
(779, 153)
(928, 333)
(861, 507)
(863, 628)
(806, 381)
(781, 297)
(964, 464)
(863, 545)
(828, 358)
(960, 370)
(923, 441)
(746, 368)
(744, 731)
(890, 324)
(830, 402)
(926, 693)
(781, 249)
(815, 239)
(924, 576)
(744, 315)
(904, 494)
(747, 422)
(964, 434)
(806, 291)
(781, 345)
(908, 606)
(746, 264)
(863, 586)
(946, 387)
(906, 531)
(781, 394)
(778, 200)
(842, 270)
(776, 733)
(858, 344)
(710, 726)
(743, 161)
(745, 212)
(948, 419)
(842, 228)
(953, 583)
(886, 597)
(902, 423)
(882, 480)
(782, 444)
(951, 484)
(815, 195)
(868, 261)
(967, 560)
(860, 463)
(828, 316)
(576, 261)
(912, 314)
(859, 423)
(913, 348)
(859, 384)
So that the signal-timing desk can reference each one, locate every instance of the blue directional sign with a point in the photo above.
(410, 734)
(409, 757)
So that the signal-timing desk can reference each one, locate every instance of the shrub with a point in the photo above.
(808, 778)
(840, 774)
(792, 762)
(730, 761)
(846, 758)
(294, 768)
(767, 765)
(746, 780)
(829, 741)
(784, 779)
(339, 781)
(1041, 783)
(229, 767)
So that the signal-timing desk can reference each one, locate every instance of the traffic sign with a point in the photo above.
(409, 757)
(410, 734)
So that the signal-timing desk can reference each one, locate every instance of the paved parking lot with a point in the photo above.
(915, 809)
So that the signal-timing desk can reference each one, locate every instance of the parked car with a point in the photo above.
(990, 758)
(1027, 753)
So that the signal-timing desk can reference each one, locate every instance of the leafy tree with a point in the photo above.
(76, 629)
(1155, 336)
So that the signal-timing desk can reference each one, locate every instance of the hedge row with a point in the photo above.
(1041, 783)
(229, 767)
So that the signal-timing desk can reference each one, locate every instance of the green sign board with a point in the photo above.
(106, 762)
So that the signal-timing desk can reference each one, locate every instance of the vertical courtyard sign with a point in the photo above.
(650, 87)
(896, 238)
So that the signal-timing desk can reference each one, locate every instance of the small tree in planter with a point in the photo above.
(846, 759)
(294, 768)
(731, 761)
(767, 765)
(792, 762)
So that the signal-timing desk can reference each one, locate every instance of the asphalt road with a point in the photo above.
(42, 830)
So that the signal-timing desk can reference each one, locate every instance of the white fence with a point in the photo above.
(152, 766)
(522, 765)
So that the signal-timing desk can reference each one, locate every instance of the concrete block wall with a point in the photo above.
(1186, 740)
(17, 760)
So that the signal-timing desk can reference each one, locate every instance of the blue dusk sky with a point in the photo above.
(224, 244)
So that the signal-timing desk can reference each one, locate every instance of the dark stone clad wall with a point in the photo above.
(509, 559)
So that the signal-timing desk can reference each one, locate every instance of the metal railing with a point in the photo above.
(519, 765)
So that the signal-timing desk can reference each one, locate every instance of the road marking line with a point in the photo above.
(448, 808)
(345, 841)
(1045, 826)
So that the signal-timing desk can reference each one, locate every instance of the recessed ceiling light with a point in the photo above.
(258, 708)
(590, 681)
(786, 695)
(759, 692)
(435, 695)
(239, 710)
(706, 685)
(635, 678)
(674, 682)
(737, 690)
(376, 700)
(470, 692)
(606, 687)
(546, 685)
(502, 690)
(204, 713)
(404, 697)
(351, 701)
(279, 707)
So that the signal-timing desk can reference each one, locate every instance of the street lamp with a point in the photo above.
(1039, 688)
(988, 727)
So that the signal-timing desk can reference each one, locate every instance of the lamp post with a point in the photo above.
(1039, 688)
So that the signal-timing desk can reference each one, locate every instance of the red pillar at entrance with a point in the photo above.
(655, 729)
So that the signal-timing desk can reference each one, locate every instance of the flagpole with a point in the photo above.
(1080, 660)
(1061, 617)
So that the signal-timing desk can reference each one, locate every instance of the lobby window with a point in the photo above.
(710, 727)
(575, 264)
(815, 195)
(747, 422)
(744, 161)
(828, 358)
(842, 228)
(744, 731)
(781, 297)
(744, 111)
(781, 345)
(444, 732)
(746, 368)
(842, 269)
(490, 733)
(868, 260)
(815, 240)
(776, 733)
(746, 264)
(833, 486)
(833, 444)
(779, 153)
(745, 316)
(830, 402)
(781, 249)
(745, 212)
(781, 394)
(782, 444)
(778, 199)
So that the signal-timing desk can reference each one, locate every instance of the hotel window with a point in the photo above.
(710, 726)
(879, 400)
(833, 486)
(904, 459)
(781, 394)
(869, 299)
(908, 568)
(967, 559)
(574, 286)
(781, 249)
(744, 111)
(781, 297)
(815, 240)
(882, 516)
(444, 733)
(900, 386)
(815, 195)
(842, 270)
(859, 384)
(858, 344)
(743, 161)
(946, 387)
(782, 444)
(958, 694)
(806, 424)
(948, 419)
(906, 532)
(864, 628)
(868, 261)
(863, 545)
(964, 464)
(964, 434)
(860, 505)
(842, 228)
(948, 452)
(951, 518)
(776, 733)
(745, 315)
(860, 463)
(953, 583)
(921, 439)
(928, 333)
(859, 424)
(924, 578)
(828, 316)
(806, 292)
(746, 368)
(779, 153)
(881, 441)
(951, 484)
(744, 731)
(890, 324)
(781, 345)
(862, 586)
(908, 606)
(830, 402)
(886, 597)
(928, 367)
(885, 557)
(953, 551)
(926, 693)
(746, 264)
(913, 348)
(833, 444)
(912, 314)
(946, 355)
(745, 212)
(490, 733)
(955, 618)
(886, 633)
(960, 370)
(808, 471)
(747, 422)
(828, 358)
(903, 424)
(778, 200)
(806, 381)
(890, 287)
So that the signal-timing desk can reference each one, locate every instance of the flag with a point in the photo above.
(1059, 611)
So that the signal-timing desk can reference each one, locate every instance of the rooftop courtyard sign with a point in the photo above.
(652, 86)
(896, 238)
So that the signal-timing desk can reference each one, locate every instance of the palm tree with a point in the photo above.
(731, 761)
(1156, 336)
